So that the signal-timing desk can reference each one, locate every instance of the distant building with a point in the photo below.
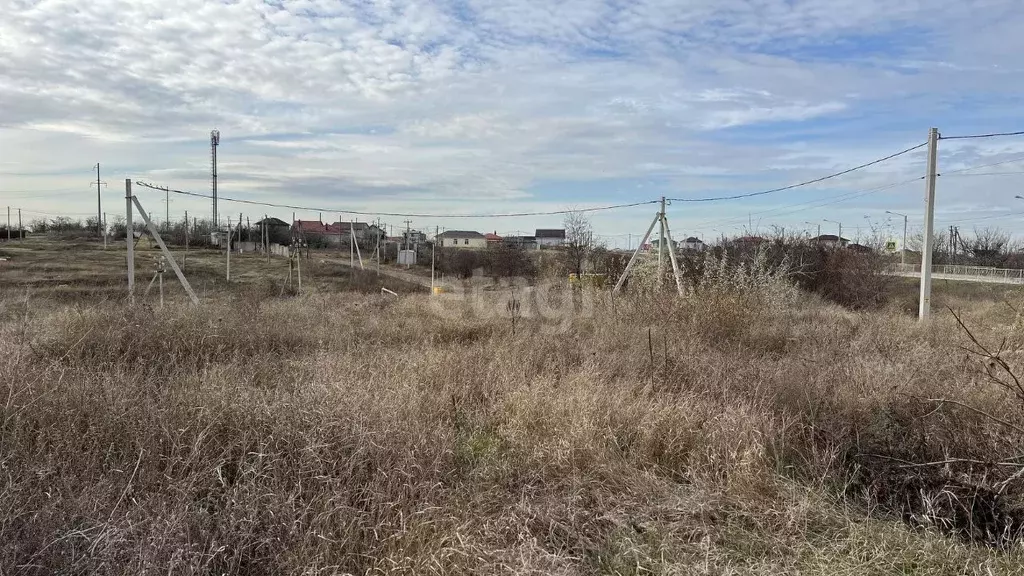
(272, 223)
(276, 229)
(365, 233)
(411, 237)
(308, 228)
(860, 248)
(550, 238)
(654, 243)
(492, 238)
(461, 239)
(693, 243)
(524, 242)
(830, 240)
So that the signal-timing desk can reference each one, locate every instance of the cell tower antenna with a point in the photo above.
(214, 142)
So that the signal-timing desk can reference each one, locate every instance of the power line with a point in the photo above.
(971, 136)
(1000, 163)
(38, 194)
(800, 184)
(44, 190)
(68, 214)
(979, 219)
(394, 214)
(818, 203)
(986, 174)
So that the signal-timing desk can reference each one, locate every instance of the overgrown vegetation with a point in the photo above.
(497, 262)
(752, 428)
(852, 279)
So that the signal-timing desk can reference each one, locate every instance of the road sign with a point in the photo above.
(890, 246)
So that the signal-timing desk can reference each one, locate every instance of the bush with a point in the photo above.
(459, 263)
(851, 279)
(503, 261)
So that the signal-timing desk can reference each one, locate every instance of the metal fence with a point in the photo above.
(1007, 275)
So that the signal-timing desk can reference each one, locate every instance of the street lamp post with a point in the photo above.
(840, 229)
(903, 249)
(818, 224)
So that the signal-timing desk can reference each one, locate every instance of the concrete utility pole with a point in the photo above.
(228, 240)
(99, 202)
(433, 250)
(130, 237)
(184, 262)
(903, 248)
(8, 223)
(408, 234)
(21, 230)
(661, 242)
(672, 255)
(929, 222)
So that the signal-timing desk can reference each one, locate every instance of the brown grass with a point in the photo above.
(342, 433)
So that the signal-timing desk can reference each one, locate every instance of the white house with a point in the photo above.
(692, 243)
(461, 239)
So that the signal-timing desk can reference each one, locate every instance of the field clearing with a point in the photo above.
(84, 271)
(341, 431)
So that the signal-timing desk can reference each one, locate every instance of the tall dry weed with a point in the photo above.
(331, 434)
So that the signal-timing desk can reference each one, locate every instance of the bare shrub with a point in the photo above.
(504, 262)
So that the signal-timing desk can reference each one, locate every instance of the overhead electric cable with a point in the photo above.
(800, 184)
(395, 214)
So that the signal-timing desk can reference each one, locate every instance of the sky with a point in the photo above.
(453, 107)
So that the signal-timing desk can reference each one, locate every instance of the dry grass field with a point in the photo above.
(746, 429)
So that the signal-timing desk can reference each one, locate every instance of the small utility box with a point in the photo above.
(407, 257)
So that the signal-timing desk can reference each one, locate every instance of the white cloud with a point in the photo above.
(411, 104)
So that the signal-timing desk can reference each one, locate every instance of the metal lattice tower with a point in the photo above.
(214, 142)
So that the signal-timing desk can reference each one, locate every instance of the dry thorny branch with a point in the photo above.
(997, 369)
